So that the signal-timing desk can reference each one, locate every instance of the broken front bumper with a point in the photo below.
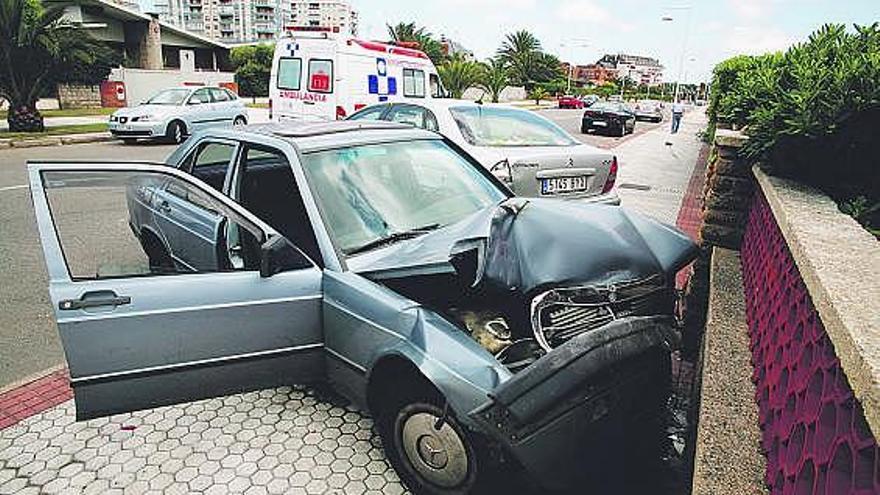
(569, 410)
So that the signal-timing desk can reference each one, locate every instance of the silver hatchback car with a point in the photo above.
(175, 113)
(482, 331)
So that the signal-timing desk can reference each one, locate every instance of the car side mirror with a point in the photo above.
(278, 255)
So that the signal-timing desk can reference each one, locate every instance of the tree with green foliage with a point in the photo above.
(812, 113)
(538, 94)
(37, 46)
(458, 74)
(409, 32)
(527, 64)
(494, 77)
(252, 65)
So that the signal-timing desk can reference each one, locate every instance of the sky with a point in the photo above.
(705, 31)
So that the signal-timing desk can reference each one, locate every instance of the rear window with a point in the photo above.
(413, 83)
(289, 73)
(321, 76)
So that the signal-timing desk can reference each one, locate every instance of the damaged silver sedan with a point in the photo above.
(482, 331)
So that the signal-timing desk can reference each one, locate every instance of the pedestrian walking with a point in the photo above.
(677, 112)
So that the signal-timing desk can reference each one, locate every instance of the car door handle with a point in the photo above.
(94, 299)
(164, 206)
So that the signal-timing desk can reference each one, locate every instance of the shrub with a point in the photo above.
(811, 113)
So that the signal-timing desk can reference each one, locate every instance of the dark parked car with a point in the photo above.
(589, 100)
(609, 117)
(482, 331)
(649, 110)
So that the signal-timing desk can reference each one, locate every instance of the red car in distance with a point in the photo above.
(569, 101)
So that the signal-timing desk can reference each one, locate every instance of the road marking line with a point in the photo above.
(12, 188)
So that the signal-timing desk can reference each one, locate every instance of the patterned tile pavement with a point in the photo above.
(284, 440)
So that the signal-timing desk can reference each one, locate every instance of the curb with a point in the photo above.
(34, 395)
(64, 139)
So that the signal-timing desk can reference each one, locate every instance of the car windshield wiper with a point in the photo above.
(393, 237)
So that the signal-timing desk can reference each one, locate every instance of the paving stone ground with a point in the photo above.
(285, 440)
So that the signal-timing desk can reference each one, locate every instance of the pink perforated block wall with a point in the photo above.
(814, 432)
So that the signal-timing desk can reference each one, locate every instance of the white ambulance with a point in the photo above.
(319, 74)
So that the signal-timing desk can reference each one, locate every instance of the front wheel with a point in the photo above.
(430, 450)
(175, 132)
(239, 121)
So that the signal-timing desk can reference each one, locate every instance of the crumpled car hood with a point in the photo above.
(526, 244)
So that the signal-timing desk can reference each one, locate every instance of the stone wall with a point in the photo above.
(79, 96)
(728, 192)
(812, 288)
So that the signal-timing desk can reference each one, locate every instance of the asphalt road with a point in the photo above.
(29, 341)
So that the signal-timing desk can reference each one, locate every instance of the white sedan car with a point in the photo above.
(528, 152)
(175, 113)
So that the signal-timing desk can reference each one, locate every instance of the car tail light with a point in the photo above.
(501, 170)
(270, 108)
(340, 113)
(612, 176)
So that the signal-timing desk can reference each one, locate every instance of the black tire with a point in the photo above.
(129, 141)
(159, 259)
(622, 131)
(176, 132)
(239, 121)
(472, 455)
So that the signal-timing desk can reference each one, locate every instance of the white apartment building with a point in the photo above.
(237, 21)
(643, 70)
(336, 15)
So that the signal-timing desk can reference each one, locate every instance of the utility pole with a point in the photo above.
(687, 28)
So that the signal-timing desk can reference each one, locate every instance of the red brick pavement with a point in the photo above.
(34, 397)
(691, 209)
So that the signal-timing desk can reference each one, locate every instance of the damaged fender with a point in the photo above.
(544, 414)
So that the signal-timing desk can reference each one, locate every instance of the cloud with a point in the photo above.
(483, 4)
(756, 40)
(751, 9)
(582, 11)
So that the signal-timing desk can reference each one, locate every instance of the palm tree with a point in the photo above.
(36, 47)
(538, 94)
(518, 44)
(458, 74)
(409, 32)
(528, 65)
(494, 77)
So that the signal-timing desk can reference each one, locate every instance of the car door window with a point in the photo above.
(413, 83)
(370, 113)
(113, 224)
(200, 96)
(210, 162)
(289, 73)
(436, 87)
(219, 95)
(407, 114)
(266, 186)
(320, 76)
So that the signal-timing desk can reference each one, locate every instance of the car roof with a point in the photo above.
(316, 136)
(445, 103)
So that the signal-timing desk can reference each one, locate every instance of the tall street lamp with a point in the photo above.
(573, 43)
(687, 28)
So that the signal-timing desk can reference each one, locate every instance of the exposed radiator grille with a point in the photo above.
(560, 314)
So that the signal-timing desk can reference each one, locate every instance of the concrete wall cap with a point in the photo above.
(730, 138)
(839, 262)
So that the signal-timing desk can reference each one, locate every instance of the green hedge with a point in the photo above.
(812, 113)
